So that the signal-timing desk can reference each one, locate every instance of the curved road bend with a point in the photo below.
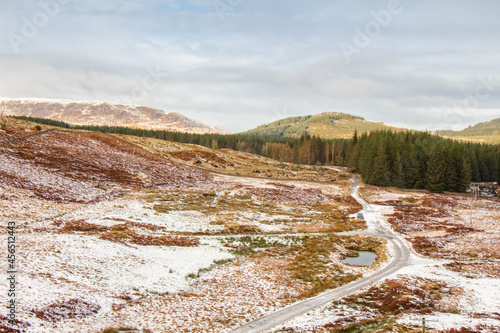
(376, 228)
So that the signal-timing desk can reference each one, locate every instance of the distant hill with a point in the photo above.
(488, 132)
(328, 125)
(97, 113)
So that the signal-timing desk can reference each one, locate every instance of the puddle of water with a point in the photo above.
(365, 258)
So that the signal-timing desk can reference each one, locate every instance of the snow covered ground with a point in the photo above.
(466, 300)
(73, 280)
(102, 284)
(479, 299)
(477, 304)
(88, 208)
(54, 268)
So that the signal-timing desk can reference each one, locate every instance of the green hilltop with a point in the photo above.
(487, 132)
(328, 125)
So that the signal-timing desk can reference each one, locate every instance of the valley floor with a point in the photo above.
(183, 260)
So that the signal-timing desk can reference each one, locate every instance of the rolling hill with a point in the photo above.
(98, 113)
(487, 132)
(328, 125)
(71, 166)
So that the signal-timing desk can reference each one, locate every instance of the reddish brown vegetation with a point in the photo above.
(236, 229)
(81, 226)
(140, 239)
(6, 327)
(351, 323)
(128, 302)
(74, 308)
(434, 246)
(124, 233)
(199, 155)
(432, 214)
(98, 160)
(11, 128)
(354, 206)
(393, 297)
(479, 269)
(133, 224)
(291, 195)
(394, 203)
(477, 329)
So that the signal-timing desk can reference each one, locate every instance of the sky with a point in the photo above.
(236, 64)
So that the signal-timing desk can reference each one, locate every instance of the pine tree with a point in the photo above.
(435, 171)
(381, 172)
(464, 175)
(411, 167)
(452, 165)
(475, 174)
(398, 172)
(482, 161)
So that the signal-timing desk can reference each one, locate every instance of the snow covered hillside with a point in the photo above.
(99, 113)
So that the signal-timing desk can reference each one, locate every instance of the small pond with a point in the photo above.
(365, 258)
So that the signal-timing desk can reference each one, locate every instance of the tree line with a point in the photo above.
(419, 160)
(413, 160)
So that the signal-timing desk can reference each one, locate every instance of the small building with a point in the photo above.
(490, 189)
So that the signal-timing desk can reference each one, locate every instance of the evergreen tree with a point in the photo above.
(435, 171)
(475, 173)
(381, 172)
(464, 175)
(398, 177)
(451, 162)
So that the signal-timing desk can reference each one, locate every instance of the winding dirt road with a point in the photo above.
(376, 228)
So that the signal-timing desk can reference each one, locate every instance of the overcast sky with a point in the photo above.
(237, 64)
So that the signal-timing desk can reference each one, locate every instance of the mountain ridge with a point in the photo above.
(490, 127)
(488, 131)
(103, 113)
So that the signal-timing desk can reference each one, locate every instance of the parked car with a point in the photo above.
(360, 216)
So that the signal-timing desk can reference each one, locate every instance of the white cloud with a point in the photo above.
(262, 56)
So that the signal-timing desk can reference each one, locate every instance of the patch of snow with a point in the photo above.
(55, 267)
(480, 295)
(446, 321)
